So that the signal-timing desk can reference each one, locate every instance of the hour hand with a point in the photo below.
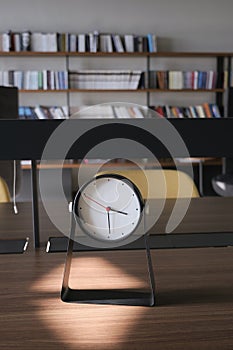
(118, 211)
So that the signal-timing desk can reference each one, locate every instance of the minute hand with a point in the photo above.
(118, 211)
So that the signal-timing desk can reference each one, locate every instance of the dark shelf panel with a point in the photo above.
(203, 137)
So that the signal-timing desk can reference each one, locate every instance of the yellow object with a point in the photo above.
(4, 191)
(154, 183)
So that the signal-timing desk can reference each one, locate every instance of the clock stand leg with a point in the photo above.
(66, 290)
(106, 296)
(150, 272)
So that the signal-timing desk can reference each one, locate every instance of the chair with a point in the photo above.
(223, 185)
(156, 183)
(9, 245)
(4, 192)
(7, 172)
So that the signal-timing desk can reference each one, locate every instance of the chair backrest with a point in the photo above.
(7, 173)
(154, 183)
(4, 191)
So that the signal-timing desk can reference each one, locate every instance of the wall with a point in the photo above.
(181, 24)
(201, 25)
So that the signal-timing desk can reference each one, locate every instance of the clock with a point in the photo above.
(108, 208)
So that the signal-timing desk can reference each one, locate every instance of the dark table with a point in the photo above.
(208, 222)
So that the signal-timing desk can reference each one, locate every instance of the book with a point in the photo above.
(215, 111)
(207, 110)
(200, 111)
(129, 42)
(5, 42)
(152, 42)
(118, 44)
(61, 42)
(16, 42)
(162, 79)
(106, 44)
(73, 43)
(40, 113)
(138, 43)
(81, 43)
(175, 80)
(195, 80)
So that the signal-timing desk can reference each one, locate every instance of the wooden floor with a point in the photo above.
(194, 296)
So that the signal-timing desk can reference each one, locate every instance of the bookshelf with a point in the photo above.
(148, 61)
(180, 61)
(80, 52)
(148, 58)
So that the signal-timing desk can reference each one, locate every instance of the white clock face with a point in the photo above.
(108, 208)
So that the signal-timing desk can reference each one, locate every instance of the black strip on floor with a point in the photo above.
(13, 246)
(163, 241)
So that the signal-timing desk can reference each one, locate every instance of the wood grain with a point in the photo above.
(194, 295)
(207, 214)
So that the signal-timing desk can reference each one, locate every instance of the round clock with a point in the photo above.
(108, 208)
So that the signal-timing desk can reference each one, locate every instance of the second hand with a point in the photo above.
(108, 209)
(93, 200)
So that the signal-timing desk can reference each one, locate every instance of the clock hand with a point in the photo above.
(103, 206)
(93, 200)
(117, 211)
(108, 222)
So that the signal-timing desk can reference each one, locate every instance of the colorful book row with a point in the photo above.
(72, 42)
(178, 80)
(35, 80)
(111, 79)
(43, 112)
(206, 110)
(98, 111)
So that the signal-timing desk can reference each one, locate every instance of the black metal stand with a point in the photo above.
(106, 296)
(35, 209)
